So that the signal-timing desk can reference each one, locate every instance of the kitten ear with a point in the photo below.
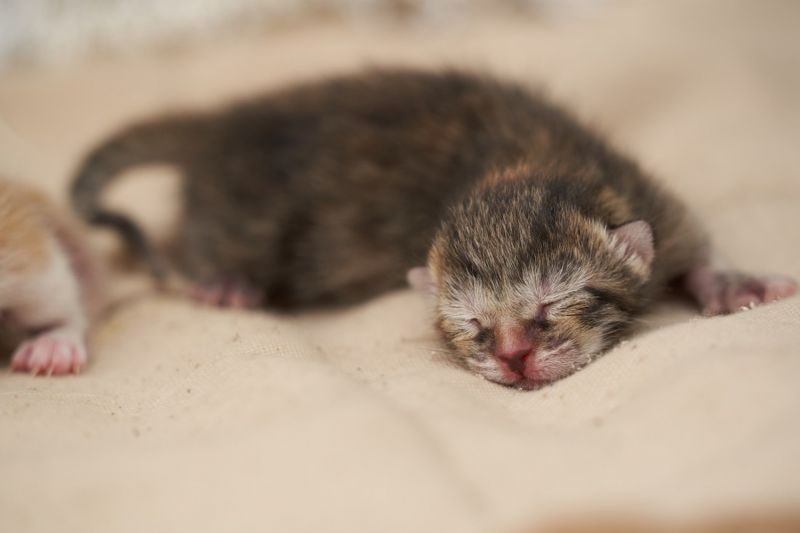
(633, 243)
(420, 278)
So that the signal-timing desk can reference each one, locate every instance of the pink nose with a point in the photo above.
(515, 360)
(513, 348)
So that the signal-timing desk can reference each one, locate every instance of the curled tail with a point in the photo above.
(159, 141)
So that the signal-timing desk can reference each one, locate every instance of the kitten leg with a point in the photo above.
(723, 292)
(228, 294)
(50, 304)
(204, 273)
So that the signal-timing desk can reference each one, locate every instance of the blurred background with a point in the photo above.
(36, 31)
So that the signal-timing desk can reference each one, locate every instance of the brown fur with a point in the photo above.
(342, 184)
(23, 232)
(327, 193)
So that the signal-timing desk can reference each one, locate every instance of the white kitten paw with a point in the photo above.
(51, 353)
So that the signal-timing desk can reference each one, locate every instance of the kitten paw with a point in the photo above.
(51, 354)
(234, 295)
(720, 293)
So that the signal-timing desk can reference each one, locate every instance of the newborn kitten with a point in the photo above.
(542, 243)
(48, 282)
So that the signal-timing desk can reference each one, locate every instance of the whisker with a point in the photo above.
(435, 350)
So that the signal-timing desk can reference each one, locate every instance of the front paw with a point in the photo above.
(720, 293)
(50, 353)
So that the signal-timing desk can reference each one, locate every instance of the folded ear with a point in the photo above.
(420, 278)
(633, 243)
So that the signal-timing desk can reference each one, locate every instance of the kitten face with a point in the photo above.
(533, 332)
(526, 298)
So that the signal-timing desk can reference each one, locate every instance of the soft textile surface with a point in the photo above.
(194, 419)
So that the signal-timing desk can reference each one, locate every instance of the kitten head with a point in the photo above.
(527, 288)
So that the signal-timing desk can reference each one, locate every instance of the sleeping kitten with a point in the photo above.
(542, 244)
(48, 282)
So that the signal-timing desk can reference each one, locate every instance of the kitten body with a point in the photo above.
(541, 242)
(49, 282)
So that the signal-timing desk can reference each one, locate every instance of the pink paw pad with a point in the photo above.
(727, 292)
(50, 354)
(229, 294)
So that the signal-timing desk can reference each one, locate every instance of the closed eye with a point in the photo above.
(480, 332)
(608, 297)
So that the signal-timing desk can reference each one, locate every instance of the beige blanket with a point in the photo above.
(202, 420)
